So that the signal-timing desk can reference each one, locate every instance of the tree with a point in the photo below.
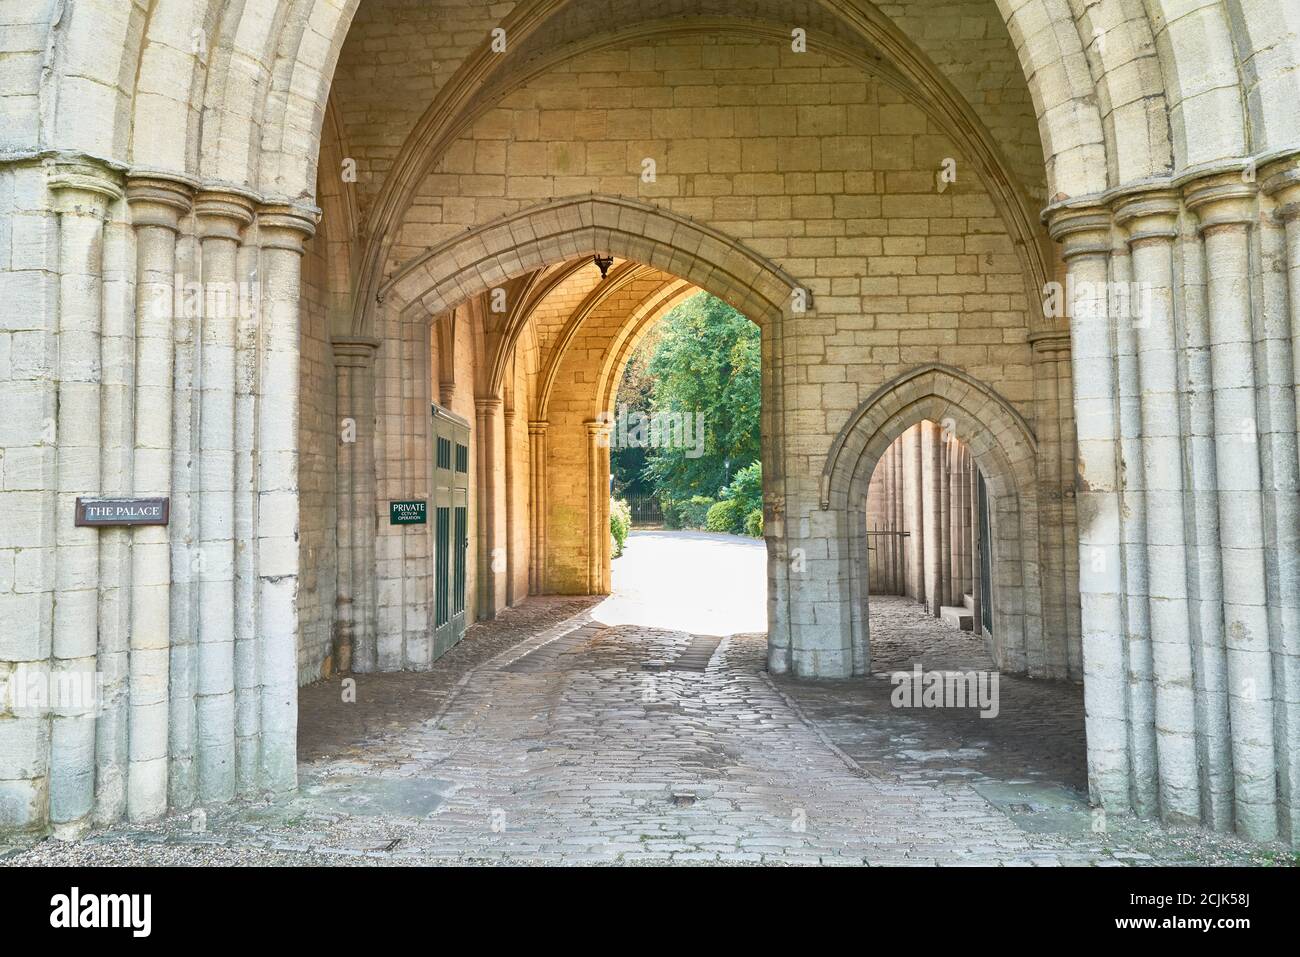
(707, 367)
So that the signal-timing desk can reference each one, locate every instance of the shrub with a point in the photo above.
(754, 523)
(725, 516)
(620, 523)
(672, 513)
(746, 488)
(695, 512)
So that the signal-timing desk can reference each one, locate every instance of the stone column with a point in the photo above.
(1086, 237)
(83, 194)
(976, 569)
(1143, 765)
(1151, 222)
(1282, 183)
(954, 522)
(222, 218)
(490, 557)
(355, 641)
(899, 524)
(1051, 351)
(914, 482)
(537, 507)
(597, 534)
(248, 691)
(508, 417)
(1225, 208)
(157, 206)
(282, 230)
(931, 443)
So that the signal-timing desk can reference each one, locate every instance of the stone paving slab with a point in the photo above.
(583, 757)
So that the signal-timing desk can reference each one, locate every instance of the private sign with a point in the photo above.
(408, 513)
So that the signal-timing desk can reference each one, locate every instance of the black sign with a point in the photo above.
(122, 511)
(408, 513)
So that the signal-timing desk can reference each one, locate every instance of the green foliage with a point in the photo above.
(695, 512)
(754, 523)
(726, 516)
(672, 513)
(747, 488)
(707, 361)
(635, 391)
(620, 523)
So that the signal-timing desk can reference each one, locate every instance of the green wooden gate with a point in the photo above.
(450, 527)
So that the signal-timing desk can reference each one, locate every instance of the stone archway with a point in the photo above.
(1003, 446)
(492, 257)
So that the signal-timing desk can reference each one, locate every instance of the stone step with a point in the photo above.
(957, 617)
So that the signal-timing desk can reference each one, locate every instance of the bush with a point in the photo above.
(672, 513)
(746, 488)
(725, 516)
(754, 523)
(695, 512)
(620, 523)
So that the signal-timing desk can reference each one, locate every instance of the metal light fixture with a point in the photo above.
(603, 263)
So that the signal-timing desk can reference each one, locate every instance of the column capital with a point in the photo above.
(1150, 216)
(1050, 343)
(286, 226)
(85, 187)
(354, 351)
(537, 426)
(1082, 230)
(159, 200)
(597, 427)
(223, 213)
(1225, 199)
(1281, 181)
(487, 404)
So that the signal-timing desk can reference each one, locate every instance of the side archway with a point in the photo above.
(1003, 446)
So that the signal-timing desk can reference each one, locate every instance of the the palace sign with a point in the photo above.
(95, 512)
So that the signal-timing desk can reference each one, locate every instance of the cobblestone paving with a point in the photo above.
(577, 745)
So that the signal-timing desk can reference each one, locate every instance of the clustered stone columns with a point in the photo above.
(1281, 183)
(281, 233)
(157, 207)
(537, 507)
(1058, 547)
(508, 418)
(1086, 240)
(491, 550)
(1185, 408)
(598, 551)
(355, 637)
(222, 219)
(83, 195)
(1151, 225)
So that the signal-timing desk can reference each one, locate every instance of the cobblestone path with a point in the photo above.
(547, 737)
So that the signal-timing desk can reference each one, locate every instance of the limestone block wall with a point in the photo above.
(831, 178)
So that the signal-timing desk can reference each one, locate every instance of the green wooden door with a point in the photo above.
(450, 528)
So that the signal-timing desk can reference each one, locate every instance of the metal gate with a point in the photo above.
(450, 527)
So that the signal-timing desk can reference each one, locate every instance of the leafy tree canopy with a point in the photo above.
(702, 363)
